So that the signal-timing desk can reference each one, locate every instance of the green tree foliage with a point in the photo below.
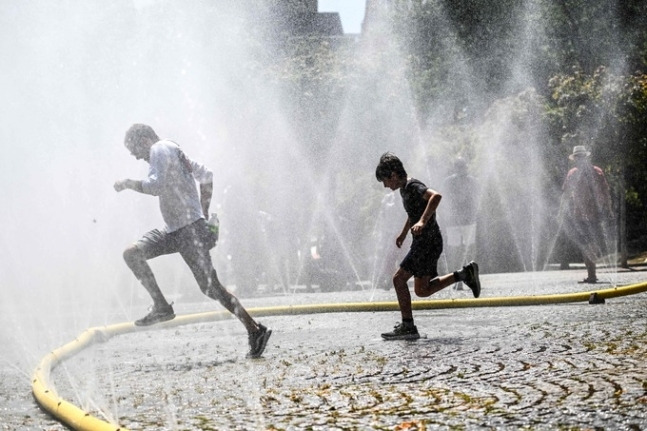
(458, 48)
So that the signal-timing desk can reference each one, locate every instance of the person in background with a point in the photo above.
(420, 204)
(459, 217)
(586, 208)
(172, 177)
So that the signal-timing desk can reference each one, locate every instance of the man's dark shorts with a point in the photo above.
(193, 238)
(422, 259)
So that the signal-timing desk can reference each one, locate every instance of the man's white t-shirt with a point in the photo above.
(172, 177)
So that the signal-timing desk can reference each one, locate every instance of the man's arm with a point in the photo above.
(135, 185)
(206, 191)
(604, 196)
(158, 167)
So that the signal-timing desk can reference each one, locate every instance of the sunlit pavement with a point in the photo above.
(573, 366)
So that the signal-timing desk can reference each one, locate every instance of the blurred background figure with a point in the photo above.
(458, 219)
(586, 209)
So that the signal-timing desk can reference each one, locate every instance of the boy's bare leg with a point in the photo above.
(425, 286)
(400, 280)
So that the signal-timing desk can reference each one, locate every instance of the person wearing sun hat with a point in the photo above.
(586, 206)
(579, 151)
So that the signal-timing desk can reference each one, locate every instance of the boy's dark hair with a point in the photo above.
(389, 163)
(138, 131)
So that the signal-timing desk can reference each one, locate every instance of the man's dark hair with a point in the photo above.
(389, 163)
(138, 131)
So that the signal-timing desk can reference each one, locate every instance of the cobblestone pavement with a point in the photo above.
(572, 366)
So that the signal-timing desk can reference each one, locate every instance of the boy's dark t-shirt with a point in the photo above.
(414, 204)
(422, 259)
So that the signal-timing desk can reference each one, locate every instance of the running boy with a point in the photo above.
(421, 262)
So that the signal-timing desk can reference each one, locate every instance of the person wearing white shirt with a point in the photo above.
(172, 178)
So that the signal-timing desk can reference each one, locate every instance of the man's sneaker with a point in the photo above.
(161, 314)
(472, 280)
(402, 332)
(258, 341)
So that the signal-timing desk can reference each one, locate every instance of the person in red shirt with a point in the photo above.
(586, 205)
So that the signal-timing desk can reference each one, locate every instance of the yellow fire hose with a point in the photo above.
(77, 419)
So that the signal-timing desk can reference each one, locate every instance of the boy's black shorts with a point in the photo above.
(422, 259)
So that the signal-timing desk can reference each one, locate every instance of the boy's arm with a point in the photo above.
(433, 199)
(403, 235)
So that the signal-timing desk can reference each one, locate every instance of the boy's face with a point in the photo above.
(393, 182)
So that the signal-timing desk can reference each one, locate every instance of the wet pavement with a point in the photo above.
(571, 366)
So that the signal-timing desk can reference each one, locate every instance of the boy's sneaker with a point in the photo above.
(471, 271)
(258, 341)
(402, 332)
(157, 314)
